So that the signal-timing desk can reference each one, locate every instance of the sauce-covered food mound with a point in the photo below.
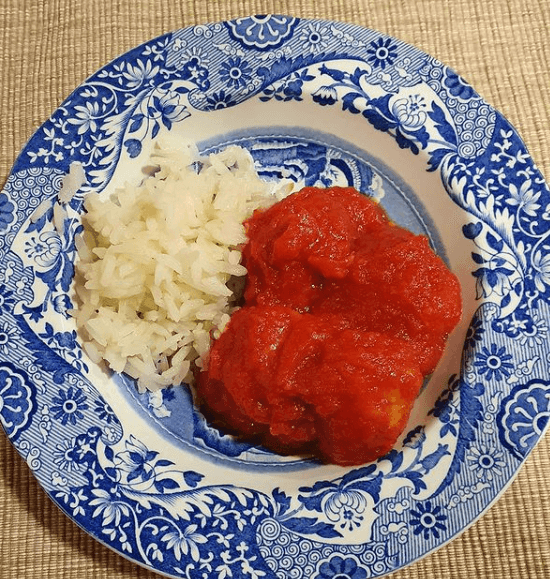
(345, 314)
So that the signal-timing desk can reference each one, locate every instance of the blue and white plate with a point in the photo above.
(322, 103)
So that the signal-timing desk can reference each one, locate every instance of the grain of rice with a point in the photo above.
(71, 183)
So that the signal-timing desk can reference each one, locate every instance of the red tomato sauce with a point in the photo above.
(345, 314)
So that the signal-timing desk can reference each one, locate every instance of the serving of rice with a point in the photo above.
(154, 262)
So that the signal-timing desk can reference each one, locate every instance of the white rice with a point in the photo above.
(154, 261)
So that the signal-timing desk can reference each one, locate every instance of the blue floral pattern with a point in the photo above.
(235, 72)
(382, 52)
(428, 520)
(7, 212)
(262, 32)
(17, 400)
(173, 514)
(341, 568)
(524, 413)
(494, 362)
(69, 406)
(7, 299)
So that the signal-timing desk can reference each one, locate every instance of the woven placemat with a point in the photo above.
(48, 47)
